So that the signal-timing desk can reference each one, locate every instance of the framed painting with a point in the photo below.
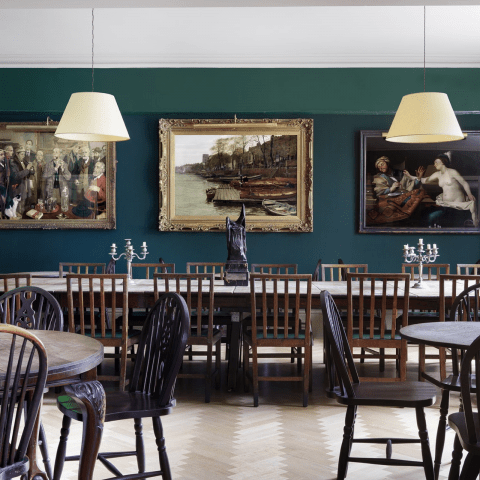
(50, 183)
(209, 168)
(419, 188)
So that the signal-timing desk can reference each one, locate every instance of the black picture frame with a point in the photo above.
(418, 207)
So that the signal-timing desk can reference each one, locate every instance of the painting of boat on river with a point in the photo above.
(215, 174)
(209, 168)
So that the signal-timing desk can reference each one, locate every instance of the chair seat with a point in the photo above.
(387, 336)
(204, 332)
(457, 423)
(119, 406)
(391, 394)
(280, 336)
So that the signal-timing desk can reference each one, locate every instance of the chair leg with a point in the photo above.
(139, 445)
(123, 367)
(208, 376)
(255, 376)
(306, 375)
(62, 448)
(457, 455)
(382, 359)
(162, 452)
(471, 467)
(423, 434)
(442, 425)
(218, 351)
(246, 366)
(44, 451)
(347, 442)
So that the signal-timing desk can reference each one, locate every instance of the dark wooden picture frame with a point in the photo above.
(444, 200)
(51, 183)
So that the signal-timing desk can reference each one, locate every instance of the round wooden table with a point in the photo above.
(442, 334)
(72, 359)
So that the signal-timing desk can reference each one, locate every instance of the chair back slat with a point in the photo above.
(26, 370)
(277, 314)
(336, 272)
(161, 347)
(31, 308)
(198, 291)
(151, 268)
(81, 268)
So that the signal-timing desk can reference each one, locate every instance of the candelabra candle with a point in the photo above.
(410, 257)
(129, 255)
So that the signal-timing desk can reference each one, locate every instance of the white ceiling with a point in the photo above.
(199, 33)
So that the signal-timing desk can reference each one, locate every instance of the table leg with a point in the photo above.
(91, 399)
(233, 354)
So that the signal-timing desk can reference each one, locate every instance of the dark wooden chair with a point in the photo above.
(466, 423)
(150, 392)
(275, 268)
(33, 308)
(80, 268)
(465, 307)
(95, 296)
(350, 391)
(368, 302)
(9, 281)
(197, 288)
(217, 268)
(316, 273)
(276, 323)
(27, 370)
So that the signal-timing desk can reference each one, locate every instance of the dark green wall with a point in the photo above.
(341, 101)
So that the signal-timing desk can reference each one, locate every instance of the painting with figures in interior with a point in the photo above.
(210, 168)
(47, 182)
(427, 187)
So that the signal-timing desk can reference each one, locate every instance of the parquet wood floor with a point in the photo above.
(279, 440)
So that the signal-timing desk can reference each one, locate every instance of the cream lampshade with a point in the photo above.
(92, 116)
(425, 117)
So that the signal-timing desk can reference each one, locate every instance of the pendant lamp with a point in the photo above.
(425, 117)
(92, 116)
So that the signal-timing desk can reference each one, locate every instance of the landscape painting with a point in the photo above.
(209, 170)
(419, 188)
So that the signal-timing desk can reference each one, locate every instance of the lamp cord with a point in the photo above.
(424, 28)
(93, 36)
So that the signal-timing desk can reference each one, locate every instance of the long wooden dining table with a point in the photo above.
(237, 299)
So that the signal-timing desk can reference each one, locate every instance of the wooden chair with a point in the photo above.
(197, 288)
(15, 280)
(33, 308)
(459, 283)
(80, 268)
(350, 391)
(431, 271)
(93, 295)
(217, 268)
(466, 423)
(27, 371)
(465, 307)
(468, 268)
(277, 324)
(150, 393)
(275, 268)
(336, 272)
(367, 302)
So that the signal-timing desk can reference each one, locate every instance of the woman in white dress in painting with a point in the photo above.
(456, 191)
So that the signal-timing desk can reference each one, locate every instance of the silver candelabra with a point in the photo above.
(410, 256)
(129, 255)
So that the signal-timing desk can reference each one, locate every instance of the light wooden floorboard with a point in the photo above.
(279, 440)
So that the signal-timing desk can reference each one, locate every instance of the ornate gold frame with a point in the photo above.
(302, 128)
(18, 132)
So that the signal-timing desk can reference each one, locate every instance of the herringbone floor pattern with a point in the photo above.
(279, 440)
